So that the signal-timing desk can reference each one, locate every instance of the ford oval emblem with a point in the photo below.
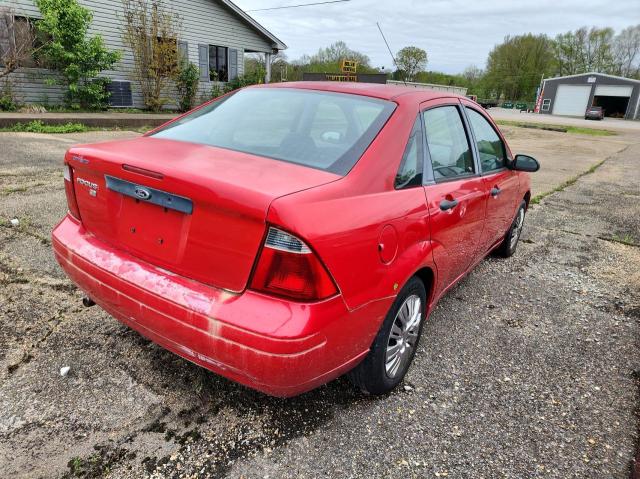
(142, 193)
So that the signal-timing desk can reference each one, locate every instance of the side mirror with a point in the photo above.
(525, 163)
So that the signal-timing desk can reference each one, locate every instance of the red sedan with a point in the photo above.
(284, 235)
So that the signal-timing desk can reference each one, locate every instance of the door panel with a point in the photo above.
(456, 199)
(501, 184)
(456, 232)
(502, 201)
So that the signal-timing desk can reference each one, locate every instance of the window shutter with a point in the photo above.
(233, 63)
(183, 51)
(203, 62)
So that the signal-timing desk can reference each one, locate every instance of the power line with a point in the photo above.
(297, 6)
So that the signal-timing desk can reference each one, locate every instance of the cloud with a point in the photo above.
(455, 33)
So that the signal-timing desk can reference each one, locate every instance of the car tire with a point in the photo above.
(395, 345)
(510, 243)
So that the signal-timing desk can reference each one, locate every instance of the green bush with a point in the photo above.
(241, 81)
(78, 58)
(7, 101)
(187, 84)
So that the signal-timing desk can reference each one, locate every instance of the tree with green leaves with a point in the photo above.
(78, 58)
(411, 60)
(514, 67)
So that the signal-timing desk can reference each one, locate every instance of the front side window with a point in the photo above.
(490, 147)
(327, 131)
(218, 70)
(410, 172)
(447, 143)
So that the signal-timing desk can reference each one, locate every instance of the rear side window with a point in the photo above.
(328, 131)
(447, 143)
(490, 147)
(410, 172)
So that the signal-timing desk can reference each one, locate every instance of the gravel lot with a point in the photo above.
(528, 368)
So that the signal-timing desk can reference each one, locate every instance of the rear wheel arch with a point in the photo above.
(427, 276)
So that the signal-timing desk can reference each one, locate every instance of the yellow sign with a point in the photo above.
(349, 66)
(349, 69)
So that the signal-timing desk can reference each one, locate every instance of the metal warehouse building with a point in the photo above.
(572, 95)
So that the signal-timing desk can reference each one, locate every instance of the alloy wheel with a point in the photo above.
(517, 228)
(403, 336)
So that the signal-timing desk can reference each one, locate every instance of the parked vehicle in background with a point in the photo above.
(594, 113)
(487, 103)
(286, 234)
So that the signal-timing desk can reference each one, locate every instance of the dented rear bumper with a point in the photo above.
(280, 347)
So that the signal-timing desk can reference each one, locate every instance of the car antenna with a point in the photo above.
(390, 52)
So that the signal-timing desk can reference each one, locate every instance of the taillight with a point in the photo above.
(287, 267)
(70, 192)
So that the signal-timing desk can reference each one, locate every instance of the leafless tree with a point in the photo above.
(17, 38)
(626, 49)
(150, 29)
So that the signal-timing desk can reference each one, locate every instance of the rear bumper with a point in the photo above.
(276, 346)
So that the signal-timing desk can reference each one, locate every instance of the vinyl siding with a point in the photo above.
(203, 22)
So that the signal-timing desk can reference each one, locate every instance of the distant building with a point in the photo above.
(214, 34)
(458, 90)
(572, 95)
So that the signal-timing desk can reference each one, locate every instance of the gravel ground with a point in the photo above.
(528, 368)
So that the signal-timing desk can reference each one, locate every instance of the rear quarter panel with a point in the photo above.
(343, 221)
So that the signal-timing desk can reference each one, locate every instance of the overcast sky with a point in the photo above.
(455, 33)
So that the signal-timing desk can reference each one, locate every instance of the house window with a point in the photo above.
(218, 68)
(546, 103)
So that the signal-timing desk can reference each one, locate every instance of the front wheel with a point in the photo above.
(510, 242)
(395, 344)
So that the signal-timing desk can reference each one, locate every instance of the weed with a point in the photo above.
(626, 239)
(536, 199)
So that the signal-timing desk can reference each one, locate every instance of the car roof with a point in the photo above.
(375, 90)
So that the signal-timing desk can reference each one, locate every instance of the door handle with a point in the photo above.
(448, 204)
(495, 191)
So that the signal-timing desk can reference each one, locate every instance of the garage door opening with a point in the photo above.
(613, 106)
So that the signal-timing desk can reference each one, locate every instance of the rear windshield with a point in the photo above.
(328, 131)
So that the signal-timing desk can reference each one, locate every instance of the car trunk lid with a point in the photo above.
(195, 210)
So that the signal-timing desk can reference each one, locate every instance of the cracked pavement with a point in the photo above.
(528, 368)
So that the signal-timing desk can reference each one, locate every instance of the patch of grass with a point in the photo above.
(626, 239)
(19, 189)
(579, 130)
(13, 189)
(37, 126)
(536, 199)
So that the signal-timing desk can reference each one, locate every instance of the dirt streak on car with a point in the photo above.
(287, 234)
